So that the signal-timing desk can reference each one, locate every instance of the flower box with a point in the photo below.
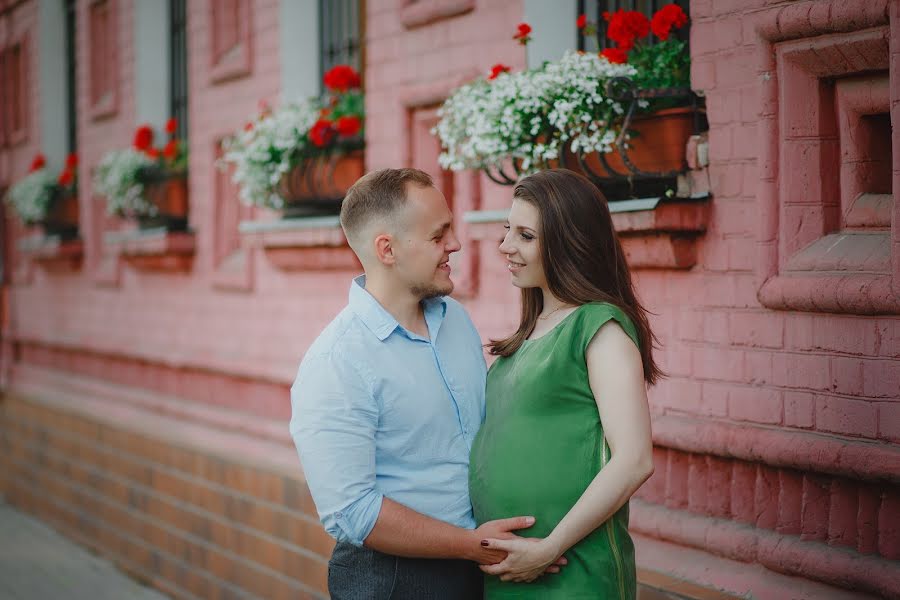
(62, 217)
(168, 193)
(318, 184)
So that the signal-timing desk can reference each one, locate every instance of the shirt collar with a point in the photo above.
(380, 321)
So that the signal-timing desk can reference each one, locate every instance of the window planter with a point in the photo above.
(318, 184)
(168, 192)
(62, 218)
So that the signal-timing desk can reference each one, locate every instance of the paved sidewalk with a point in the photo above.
(38, 563)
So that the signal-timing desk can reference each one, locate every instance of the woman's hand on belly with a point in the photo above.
(526, 559)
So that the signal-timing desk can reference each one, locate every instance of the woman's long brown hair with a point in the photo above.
(583, 260)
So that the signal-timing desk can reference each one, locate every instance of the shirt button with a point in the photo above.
(339, 515)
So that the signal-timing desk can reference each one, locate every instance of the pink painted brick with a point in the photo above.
(757, 404)
(816, 506)
(718, 490)
(847, 375)
(758, 367)
(868, 501)
(677, 479)
(718, 364)
(881, 378)
(889, 524)
(887, 334)
(790, 502)
(799, 409)
(850, 335)
(763, 329)
(802, 371)
(697, 483)
(743, 486)
(888, 414)
(714, 399)
(798, 331)
(846, 416)
(766, 497)
(842, 513)
(715, 327)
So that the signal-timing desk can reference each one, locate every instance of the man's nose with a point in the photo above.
(453, 244)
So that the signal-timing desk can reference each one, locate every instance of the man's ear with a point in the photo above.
(384, 249)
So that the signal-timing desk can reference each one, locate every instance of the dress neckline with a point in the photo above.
(556, 327)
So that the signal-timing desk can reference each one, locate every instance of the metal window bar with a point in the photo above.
(178, 77)
(71, 66)
(595, 9)
(340, 32)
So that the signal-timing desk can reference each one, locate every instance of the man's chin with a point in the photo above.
(434, 290)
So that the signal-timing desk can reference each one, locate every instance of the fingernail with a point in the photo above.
(484, 543)
(529, 520)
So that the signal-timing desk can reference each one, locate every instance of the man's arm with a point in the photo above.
(402, 531)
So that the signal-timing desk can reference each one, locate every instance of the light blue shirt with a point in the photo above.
(380, 411)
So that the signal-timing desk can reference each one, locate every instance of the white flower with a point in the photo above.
(263, 154)
(33, 195)
(118, 179)
(529, 116)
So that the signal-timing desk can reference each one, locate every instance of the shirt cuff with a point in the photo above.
(357, 520)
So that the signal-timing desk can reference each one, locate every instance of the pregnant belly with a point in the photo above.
(538, 474)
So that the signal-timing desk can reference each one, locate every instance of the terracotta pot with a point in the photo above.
(62, 219)
(318, 184)
(657, 144)
(170, 196)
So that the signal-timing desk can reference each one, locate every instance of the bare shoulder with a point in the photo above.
(612, 350)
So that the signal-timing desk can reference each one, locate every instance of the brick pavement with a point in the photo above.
(37, 563)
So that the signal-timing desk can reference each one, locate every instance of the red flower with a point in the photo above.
(66, 178)
(170, 151)
(321, 133)
(71, 161)
(581, 22)
(341, 78)
(626, 26)
(615, 55)
(248, 126)
(522, 36)
(348, 126)
(171, 126)
(665, 19)
(152, 153)
(497, 69)
(143, 137)
(38, 162)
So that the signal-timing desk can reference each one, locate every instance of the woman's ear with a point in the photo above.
(384, 249)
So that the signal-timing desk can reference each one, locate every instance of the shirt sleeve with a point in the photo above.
(334, 417)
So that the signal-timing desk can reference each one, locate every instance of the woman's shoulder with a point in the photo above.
(593, 315)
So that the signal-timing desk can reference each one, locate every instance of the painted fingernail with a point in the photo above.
(484, 543)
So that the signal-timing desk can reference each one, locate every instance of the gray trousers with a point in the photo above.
(356, 573)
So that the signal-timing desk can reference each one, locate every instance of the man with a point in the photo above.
(387, 402)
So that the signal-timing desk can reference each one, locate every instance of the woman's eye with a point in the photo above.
(527, 236)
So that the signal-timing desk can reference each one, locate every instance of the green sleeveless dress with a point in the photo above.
(541, 445)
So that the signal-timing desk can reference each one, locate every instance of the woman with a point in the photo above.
(567, 431)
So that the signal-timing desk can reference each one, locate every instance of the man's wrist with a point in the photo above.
(468, 545)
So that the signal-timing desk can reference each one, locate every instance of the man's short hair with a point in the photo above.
(377, 195)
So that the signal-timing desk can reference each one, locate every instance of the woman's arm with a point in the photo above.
(617, 381)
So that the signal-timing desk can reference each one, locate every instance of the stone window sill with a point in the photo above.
(655, 233)
(52, 252)
(152, 249)
(302, 244)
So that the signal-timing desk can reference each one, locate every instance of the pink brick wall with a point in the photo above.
(738, 371)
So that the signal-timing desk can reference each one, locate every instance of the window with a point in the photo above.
(595, 9)
(340, 30)
(103, 80)
(71, 79)
(178, 77)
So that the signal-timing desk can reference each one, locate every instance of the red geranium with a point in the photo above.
(348, 126)
(248, 126)
(497, 69)
(71, 161)
(522, 33)
(625, 26)
(170, 151)
(143, 138)
(615, 55)
(66, 178)
(668, 17)
(171, 126)
(152, 153)
(341, 78)
(581, 22)
(321, 133)
(38, 162)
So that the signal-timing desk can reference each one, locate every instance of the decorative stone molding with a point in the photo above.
(655, 233)
(152, 249)
(303, 244)
(52, 252)
(230, 39)
(825, 242)
(103, 67)
(423, 12)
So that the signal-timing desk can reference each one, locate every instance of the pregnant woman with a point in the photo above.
(567, 430)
